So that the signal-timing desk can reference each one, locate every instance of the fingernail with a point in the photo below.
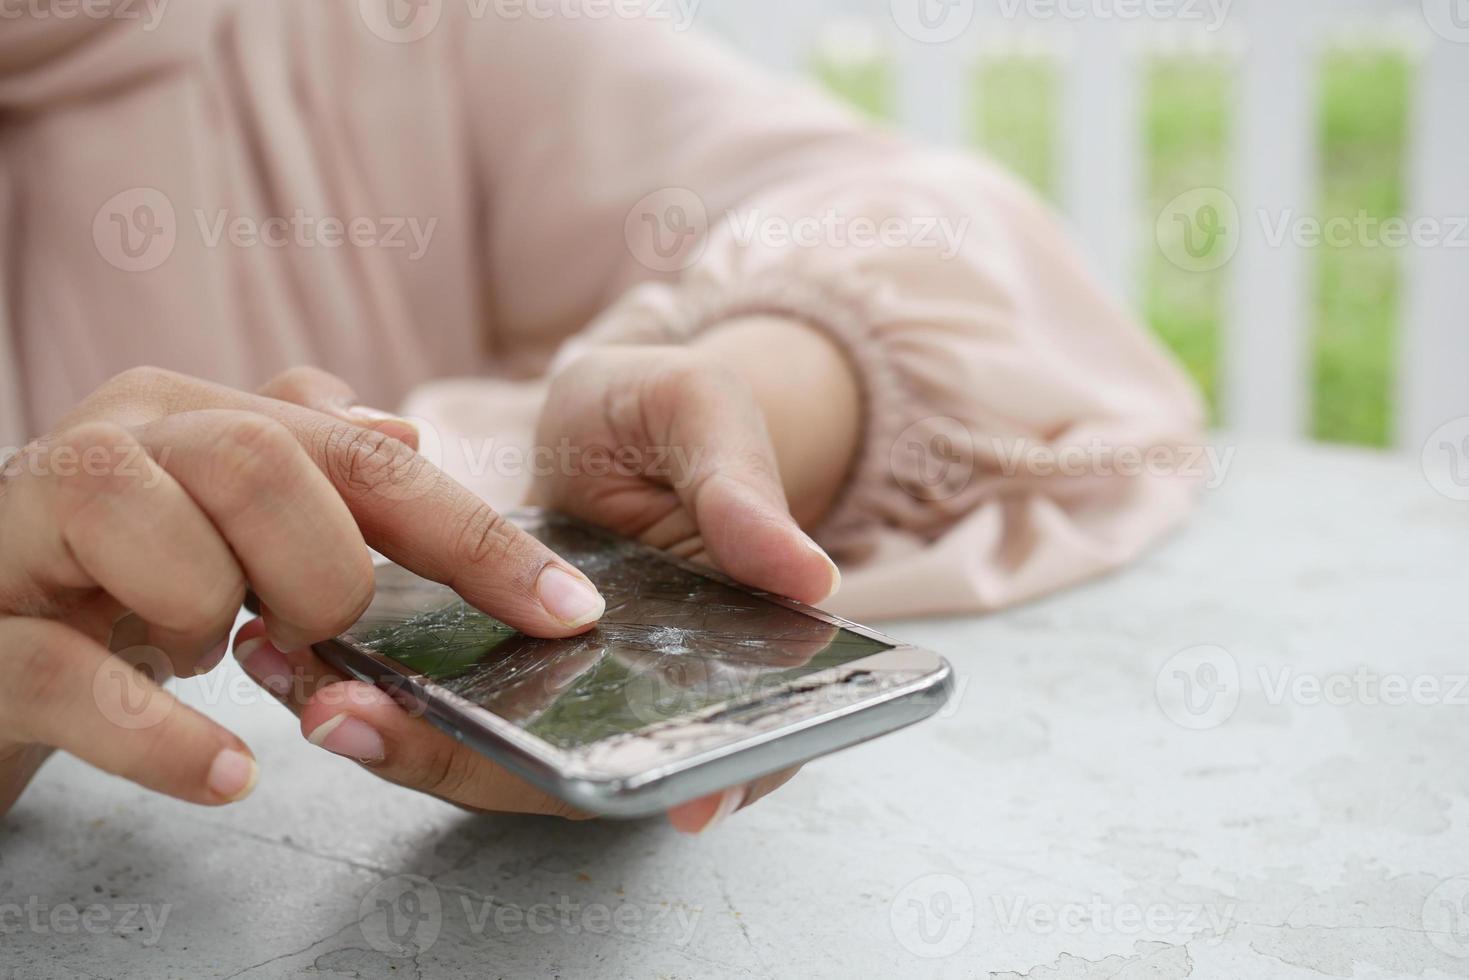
(211, 659)
(232, 775)
(836, 573)
(570, 598)
(266, 664)
(728, 803)
(349, 736)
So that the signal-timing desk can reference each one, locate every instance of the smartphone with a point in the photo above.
(690, 683)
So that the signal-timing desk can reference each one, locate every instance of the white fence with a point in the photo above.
(934, 44)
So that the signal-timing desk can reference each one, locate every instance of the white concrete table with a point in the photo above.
(1247, 757)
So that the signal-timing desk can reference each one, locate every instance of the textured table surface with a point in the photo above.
(1246, 757)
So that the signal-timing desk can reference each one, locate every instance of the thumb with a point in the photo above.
(730, 481)
(328, 394)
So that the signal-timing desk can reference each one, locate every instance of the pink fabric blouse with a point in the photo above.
(228, 188)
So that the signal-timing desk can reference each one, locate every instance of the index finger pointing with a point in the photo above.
(418, 516)
(421, 518)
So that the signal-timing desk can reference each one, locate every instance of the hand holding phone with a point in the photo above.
(689, 684)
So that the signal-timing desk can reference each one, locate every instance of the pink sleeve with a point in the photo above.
(1020, 430)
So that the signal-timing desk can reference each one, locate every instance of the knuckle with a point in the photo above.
(250, 450)
(365, 460)
(144, 384)
(88, 460)
(485, 536)
(144, 377)
(301, 382)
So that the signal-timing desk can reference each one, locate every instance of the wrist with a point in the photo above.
(808, 392)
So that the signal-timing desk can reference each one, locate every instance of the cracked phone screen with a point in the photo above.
(672, 644)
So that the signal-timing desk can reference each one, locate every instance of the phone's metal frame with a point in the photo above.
(780, 727)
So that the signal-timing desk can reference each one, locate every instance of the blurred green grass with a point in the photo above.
(1365, 97)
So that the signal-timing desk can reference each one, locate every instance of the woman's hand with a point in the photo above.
(128, 536)
(670, 445)
(718, 497)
